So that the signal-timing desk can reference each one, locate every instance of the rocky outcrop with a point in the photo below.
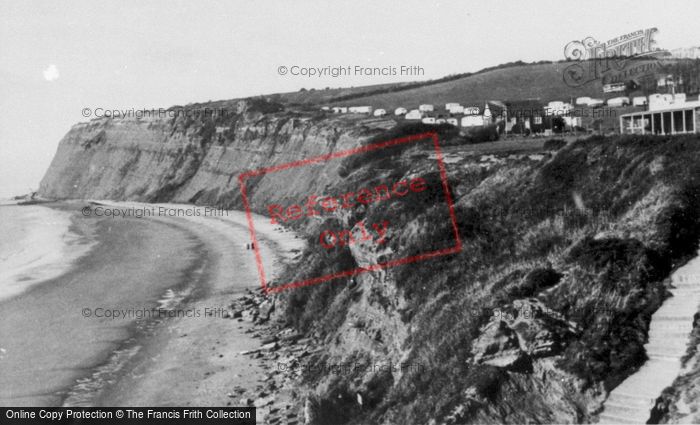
(520, 332)
(498, 346)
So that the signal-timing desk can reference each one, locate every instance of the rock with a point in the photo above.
(291, 338)
(498, 346)
(263, 401)
(269, 339)
(265, 309)
(541, 331)
(236, 314)
(309, 411)
(270, 347)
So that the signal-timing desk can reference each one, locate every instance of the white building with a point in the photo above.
(360, 109)
(555, 104)
(584, 100)
(472, 120)
(415, 114)
(617, 102)
(340, 110)
(428, 120)
(453, 121)
(663, 118)
(557, 107)
(379, 112)
(486, 117)
(595, 103)
(472, 110)
(572, 121)
(440, 121)
(426, 108)
(400, 111)
(456, 109)
(487, 114)
(639, 101)
(663, 101)
(325, 108)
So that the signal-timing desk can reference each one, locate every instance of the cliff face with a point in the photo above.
(196, 160)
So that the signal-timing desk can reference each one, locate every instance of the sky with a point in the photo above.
(58, 57)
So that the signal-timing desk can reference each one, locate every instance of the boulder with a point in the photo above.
(263, 401)
(265, 309)
(269, 347)
(542, 332)
(498, 346)
(269, 339)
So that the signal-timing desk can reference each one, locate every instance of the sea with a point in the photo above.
(58, 270)
(37, 243)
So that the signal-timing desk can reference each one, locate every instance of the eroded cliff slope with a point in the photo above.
(197, 158)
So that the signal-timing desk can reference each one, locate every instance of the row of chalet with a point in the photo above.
(522, 116)
(528, 116)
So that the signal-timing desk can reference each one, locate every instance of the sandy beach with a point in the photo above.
(198, 359)
(195, 265)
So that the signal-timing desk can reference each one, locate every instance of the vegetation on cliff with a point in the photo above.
(584, 238)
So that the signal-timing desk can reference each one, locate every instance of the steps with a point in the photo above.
(631, 401)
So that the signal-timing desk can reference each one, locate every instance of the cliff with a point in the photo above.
(197, 159)
(544, 310)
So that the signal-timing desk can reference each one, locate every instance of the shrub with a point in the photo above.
(483, 134)
(535, 281)
(405, 129)
(263, 105)
(554, 144)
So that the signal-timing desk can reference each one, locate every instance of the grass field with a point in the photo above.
(540, 81)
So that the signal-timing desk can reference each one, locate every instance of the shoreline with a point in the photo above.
(51, 333)
(47, 244)
(200, 360)
(141, 357)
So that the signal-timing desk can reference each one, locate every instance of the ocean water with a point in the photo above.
(36, 244)
(51, 352)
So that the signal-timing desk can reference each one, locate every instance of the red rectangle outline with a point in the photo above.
(314, 160)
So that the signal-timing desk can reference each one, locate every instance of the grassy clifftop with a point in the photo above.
(511, 81)
(545, 308)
